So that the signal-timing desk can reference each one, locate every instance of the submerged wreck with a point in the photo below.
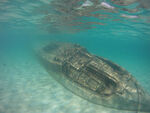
(93, 78)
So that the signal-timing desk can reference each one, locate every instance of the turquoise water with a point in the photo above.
(119, 34)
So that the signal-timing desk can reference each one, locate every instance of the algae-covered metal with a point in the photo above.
(93, 78)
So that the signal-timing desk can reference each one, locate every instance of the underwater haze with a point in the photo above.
(118, 30)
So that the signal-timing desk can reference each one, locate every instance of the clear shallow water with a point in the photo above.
(24, 84)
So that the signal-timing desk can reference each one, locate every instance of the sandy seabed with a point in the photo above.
(25, 87)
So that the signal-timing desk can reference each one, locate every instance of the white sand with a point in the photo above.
(25, 87)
